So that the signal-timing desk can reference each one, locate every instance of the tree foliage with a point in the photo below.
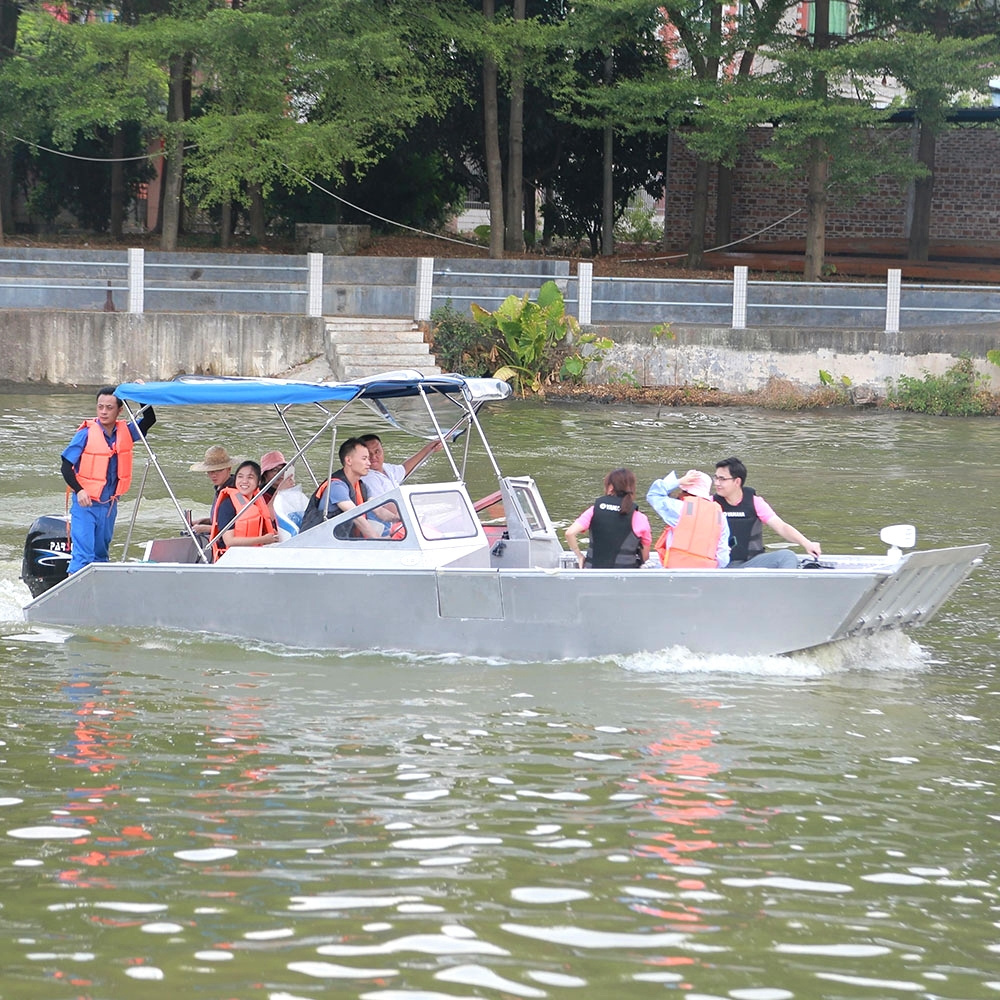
(383, 101)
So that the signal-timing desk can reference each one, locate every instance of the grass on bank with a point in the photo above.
(477, 349)
(780, 394)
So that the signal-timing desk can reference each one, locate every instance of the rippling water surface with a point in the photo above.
(190, 816)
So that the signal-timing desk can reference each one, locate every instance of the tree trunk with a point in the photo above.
(226, 224)
(699, 209)
(258, 220)
(530, 215)
(607, 172)
(816, 200)
(514, 229)
(117, 221)
(923, 187)
(723, 205)
(494, 165)
(668, 150)
(819, 160)
(174, 171)
(548, 216)
(699, 214)
(6, 162)
(9, 13)
(923, 192)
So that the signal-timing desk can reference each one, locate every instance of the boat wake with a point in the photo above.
(13, 593)
(888, 651)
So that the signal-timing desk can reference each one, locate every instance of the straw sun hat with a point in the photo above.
(216, 459)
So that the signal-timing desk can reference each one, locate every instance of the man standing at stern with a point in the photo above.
(97, 467)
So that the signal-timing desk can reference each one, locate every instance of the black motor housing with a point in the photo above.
(46, 554)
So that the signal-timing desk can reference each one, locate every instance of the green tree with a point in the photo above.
(613, 42)
(510, 46)
(528, 332)
(9, 12)
(87, 89)
(822, 130)
(942, 53)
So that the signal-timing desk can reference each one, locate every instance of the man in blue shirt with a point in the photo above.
(97, 467)
(344, 490)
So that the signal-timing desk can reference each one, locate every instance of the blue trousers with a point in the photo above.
(774, 559)
(91, 529)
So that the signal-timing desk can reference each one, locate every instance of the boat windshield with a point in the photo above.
(444, 514)
(527, 502)
(384, 523)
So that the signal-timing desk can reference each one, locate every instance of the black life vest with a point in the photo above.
(613, 544)
(316, 509)
(746, 531)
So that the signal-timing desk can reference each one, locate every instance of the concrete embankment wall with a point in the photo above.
(742, 360)
(91, 348)
(81, 348)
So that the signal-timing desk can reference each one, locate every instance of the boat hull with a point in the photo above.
(517, 614)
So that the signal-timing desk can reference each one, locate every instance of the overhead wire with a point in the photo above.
(382, 218)
(150, 156)
(87, 159)
(723, 246)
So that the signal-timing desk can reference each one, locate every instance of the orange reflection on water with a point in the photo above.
(677, 789)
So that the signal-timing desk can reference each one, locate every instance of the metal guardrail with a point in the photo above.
(296, 285)
(141, 280)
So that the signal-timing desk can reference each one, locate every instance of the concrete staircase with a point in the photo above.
(359, 346)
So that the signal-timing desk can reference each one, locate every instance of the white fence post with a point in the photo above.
(740, 297)
(585, 297)
(425, 286)
(892, 288)
(136, 284)
(314, 284)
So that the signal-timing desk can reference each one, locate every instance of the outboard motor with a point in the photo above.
(46, 554)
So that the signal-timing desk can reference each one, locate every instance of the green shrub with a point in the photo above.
(959, 392)
(460, 344)
(637, 226)
(591, 350)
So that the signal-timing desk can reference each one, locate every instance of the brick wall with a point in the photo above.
(966, 194)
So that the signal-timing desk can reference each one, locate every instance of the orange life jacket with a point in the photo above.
(694, 541)
(359, 497)
(93, 472)
(253, 519)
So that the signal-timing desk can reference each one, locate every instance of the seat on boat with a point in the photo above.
(179, 549)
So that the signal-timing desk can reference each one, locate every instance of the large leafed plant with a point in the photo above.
(529, 333)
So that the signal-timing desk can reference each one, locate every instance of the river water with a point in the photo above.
(187, 816)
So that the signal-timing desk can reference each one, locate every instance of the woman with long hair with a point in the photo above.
(620, 535)
(241, 516)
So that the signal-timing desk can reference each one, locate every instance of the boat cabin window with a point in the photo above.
(383, 523)
(444, 515)
(530, 514)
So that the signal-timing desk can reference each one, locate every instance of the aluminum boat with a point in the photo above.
(455, 578)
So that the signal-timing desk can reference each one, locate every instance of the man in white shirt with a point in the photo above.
(383, 477)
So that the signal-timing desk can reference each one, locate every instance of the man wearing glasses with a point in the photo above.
(746, 513)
